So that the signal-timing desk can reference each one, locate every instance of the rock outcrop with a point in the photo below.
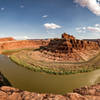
(69, 47)
(66, 36)
(67, 44)
(85, 93)
(91, 93)
(4, 81)
(6, 39)
(94, 40)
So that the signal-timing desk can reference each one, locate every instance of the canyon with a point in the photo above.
(53, 56)
(66, 48)
(65, 55)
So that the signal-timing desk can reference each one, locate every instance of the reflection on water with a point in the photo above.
(41, 82)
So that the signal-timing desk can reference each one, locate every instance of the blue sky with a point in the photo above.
(24, 19)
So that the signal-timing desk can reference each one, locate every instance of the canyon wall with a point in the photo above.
(65, 45)
(17, 44)
(68, 43)
(94, 40)
(68, 48)
(6, 39)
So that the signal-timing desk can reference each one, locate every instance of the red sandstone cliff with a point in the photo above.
(6, 39)
(68, 48)
(71, 49)
(18, 44)
(66, 36)
(67, 44)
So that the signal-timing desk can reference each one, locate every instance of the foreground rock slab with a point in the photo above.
(85, 93)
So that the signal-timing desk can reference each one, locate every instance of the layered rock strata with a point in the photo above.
(19, 44)
(68, 47)
(67, 44)
(94, 40)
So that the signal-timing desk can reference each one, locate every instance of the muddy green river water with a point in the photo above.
(40, 82)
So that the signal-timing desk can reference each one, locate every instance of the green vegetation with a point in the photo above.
(24, 59)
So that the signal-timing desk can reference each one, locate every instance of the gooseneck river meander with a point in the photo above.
(40, 82)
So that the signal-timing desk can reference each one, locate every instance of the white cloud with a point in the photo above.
(2, 9)
(21, 37)
(81, 29)
(51, 26)
(92, 5)
(89, 32)
(97, 25)
(26, 37)
(78, 28)
(45, 16)
(84, 28)
(21, 6)
(95, 28)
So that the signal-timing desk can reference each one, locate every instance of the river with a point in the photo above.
(40, 82)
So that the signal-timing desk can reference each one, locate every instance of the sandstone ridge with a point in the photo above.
(70, 48)
(11, 44)
(67, 44)
(6, 39)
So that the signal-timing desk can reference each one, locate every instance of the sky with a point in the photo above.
(38, 19)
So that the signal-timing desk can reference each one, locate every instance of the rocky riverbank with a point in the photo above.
(85, 93)
(4, 81)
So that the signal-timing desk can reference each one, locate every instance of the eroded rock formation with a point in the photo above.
(68, 47)
(91, 93)
(66, 36)
(94, 40)
(67, 44)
